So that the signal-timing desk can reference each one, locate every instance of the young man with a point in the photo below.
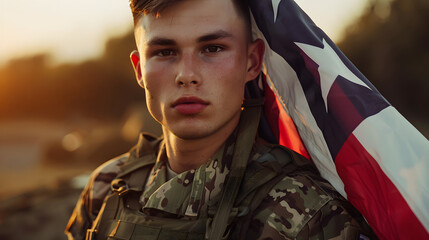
(207, 177)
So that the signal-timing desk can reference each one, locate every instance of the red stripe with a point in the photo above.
(282, 124)
(374, 195)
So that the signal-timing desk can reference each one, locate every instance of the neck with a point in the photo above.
(187, 154)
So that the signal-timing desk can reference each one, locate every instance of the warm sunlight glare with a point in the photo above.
(76, 30)
(71, 30)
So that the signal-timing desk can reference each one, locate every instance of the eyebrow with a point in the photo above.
(159, 41)
(214, 36)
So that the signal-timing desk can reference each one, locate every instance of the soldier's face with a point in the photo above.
(195, 60)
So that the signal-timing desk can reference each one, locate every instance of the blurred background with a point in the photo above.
(69, 100)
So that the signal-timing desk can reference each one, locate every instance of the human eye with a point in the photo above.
(165, 53)
(213, 49)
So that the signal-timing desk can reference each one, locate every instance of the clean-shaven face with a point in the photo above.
(194, 60)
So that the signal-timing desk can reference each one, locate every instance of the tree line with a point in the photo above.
(389, 45)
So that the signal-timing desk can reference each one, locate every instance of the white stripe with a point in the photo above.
(285, 84)
(275, 4)
(402, 153)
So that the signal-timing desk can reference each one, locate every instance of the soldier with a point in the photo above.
(209, 176)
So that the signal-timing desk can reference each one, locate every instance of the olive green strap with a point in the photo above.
(136, 170)
(107, 212)
(247, 129)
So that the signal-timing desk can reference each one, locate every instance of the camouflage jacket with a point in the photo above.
(300, 206)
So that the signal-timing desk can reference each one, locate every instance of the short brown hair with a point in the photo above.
(139, 7)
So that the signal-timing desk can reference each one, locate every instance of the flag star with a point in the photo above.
(330, 67)
(275, 8)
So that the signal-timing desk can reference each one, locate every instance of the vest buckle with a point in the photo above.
(119, 186)
(90, 234)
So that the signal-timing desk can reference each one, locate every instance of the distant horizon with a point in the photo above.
(29, 28)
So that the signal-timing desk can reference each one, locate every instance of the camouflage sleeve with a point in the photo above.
(300, 207)
(92, 197)
(333, 221)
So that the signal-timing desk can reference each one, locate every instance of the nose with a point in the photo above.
(187, 71)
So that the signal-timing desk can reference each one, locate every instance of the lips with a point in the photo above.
(189, 105)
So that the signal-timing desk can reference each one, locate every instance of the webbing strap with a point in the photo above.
(107, 212)
(136, 178)
(248, 126)
(139, 164)
(130, 230)
(135, 163)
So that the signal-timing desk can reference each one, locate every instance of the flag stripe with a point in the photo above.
(374, 195)
(283, 81)
(402, 153)
(282, 123)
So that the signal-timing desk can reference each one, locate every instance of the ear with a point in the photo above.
(135, 61)
(255, 55)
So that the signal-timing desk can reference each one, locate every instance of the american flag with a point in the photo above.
(320, 105)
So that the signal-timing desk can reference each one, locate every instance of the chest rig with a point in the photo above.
(245, 188)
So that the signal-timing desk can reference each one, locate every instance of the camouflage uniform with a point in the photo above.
(301, 205)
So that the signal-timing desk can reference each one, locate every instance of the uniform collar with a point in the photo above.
(186, 193)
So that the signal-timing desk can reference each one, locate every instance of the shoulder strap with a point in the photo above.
(247, 128)
(132, 176)
(142, 154)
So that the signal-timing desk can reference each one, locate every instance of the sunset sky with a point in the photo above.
(74, 30)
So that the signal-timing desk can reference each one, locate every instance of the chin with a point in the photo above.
(194, 129)
(191, 134)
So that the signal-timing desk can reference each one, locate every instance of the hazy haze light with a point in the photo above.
(70, 30)
(76, 30)
(72, 141)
